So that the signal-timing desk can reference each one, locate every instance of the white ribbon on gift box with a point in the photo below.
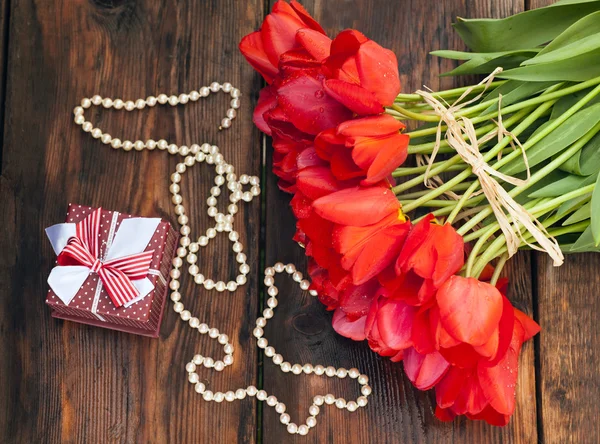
(132, 237)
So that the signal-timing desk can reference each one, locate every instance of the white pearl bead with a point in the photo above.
(296, 369)
(272, 401)
(351, 406)
(231, 113)
(204, 91)
(307, 368)
(314, 410)
(129, 105)
(329, 399)
(199, 387)
(226, 87)
(194, 322)
(214, 87)
(290, 268)
(340, 403)
(228, 349)
(235, 93)
(258, 332)
(277, 359)
(207, 395)
(226, 123)
(190, 367)
(330, 371)
(240, 258)
(220, 286)
(366, 390)
(173, 100)
(311, 421)
(284, 418)
(184, 98)
(280, 407)
(292, 428)
(209, 362)
(86, 103)
(232, 286)
(203, 241)
(362, 401)
(304, 285)
(268, 313)
(209, 284)
(185, 315)
(244, 268)
(175, 296)
(341, 372)
(173, 149)
(229, 396)
(240, 393)
(269, 352)
(198, 359)
(272, 302)
(115, 143)
(162, 99)
(286, 367)
(363, 379)
(261, 322)
(319, 370)
(235, 103)
(223, 339)
(198, 278)
(193, 378)
(354, 373)
(228, 359)
(150, 144)
(241, 279)
(203, 328)
(303, 430)
(213, 333)
(151, 100)
(194, 96)
(318, 400)
(96, 100)
(261, 395)
(219, 366)
(87, 126)
(140, 104)
(219, 397)
(251, 390)
(272, 291)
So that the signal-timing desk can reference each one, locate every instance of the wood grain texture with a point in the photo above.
(301, 329)
(568, 310)
(65, 382)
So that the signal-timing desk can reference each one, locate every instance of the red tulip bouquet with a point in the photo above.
(408, 232)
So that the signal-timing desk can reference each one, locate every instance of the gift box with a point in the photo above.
(112, 269)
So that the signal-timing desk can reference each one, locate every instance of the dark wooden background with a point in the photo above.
(65, 382)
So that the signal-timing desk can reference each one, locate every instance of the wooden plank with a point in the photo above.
(568, 310)
(302, 329)
(64, 382)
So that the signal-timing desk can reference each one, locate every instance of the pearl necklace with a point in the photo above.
(223, 223)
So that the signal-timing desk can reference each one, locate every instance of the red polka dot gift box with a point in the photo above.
(112, 269)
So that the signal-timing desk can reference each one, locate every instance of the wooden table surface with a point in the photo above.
(66, 382)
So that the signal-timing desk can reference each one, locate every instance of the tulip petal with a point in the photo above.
(394, 323)
(306, 17)
(471, 398)
(377, 69)
(461, 355)
(251, 46)
(530, 327)
(445, 415)
(315, 182)
(278, 31)
(424, 371)
(357, 206)
(266, 102)
(301, 95)
(505, 332)
(470, 310)
(356, 299)
(354, 330)
(491, 416)
(354, 97)
(314, 42)
(380, 125)
(421, 336)
(391, 155)
(449, 387)
(499, 382)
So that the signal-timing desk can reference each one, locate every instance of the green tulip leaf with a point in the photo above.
(595, 213)
(563, 186)
(573, 41)
(586, 161)
(584, 212)
(585, 243)
(525, 30)
(575, 127)
(513, 91)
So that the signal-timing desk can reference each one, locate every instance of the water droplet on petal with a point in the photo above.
(319, 94)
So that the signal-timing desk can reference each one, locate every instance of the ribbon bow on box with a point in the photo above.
(122, 267)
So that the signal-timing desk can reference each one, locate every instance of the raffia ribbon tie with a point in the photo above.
(461, 136)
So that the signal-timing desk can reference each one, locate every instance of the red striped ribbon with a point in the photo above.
(116, 274)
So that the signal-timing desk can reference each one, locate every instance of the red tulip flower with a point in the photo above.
(361, 74)
(371, 147)
(431, 254)
(486, 392)
(277, 35)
